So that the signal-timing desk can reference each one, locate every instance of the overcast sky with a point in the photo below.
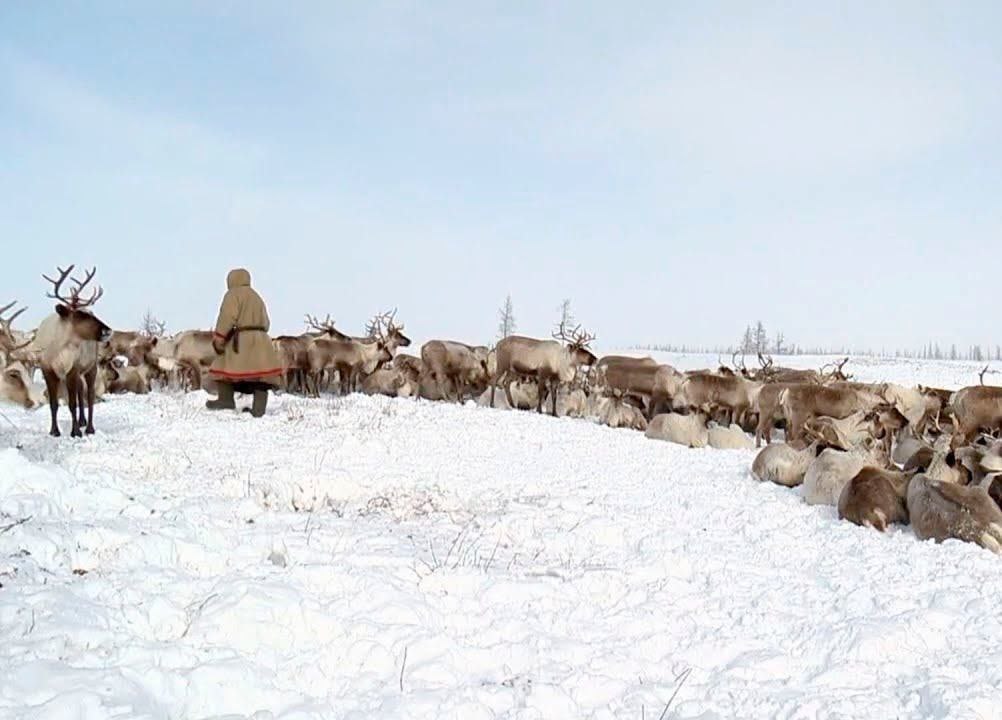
(677, 169)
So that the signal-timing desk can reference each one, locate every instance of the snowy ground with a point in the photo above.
(374, 558)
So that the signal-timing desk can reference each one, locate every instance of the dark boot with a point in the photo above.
(224, 399)
(260, 403)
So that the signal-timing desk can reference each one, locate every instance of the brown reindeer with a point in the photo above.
(136, 347)
(68, 343)
(975, 408)
(463, 366)
(941, 510)
(631, 378)
(120, 378)
(549, 362)
(875, 498)
(800, 403)
(293, 350)
(709, 393)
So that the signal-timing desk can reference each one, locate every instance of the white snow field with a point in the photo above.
(375, 558)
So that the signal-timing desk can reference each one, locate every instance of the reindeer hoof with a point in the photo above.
(55, 432)
(89, 431)
(76, 433)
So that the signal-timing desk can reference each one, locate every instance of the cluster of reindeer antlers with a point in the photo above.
(74, 301)
(383, 325)
(575, 338)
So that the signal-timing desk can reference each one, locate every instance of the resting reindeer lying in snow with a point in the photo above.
(688, 430)
(943, 510)
(783, 464)
(16, 386)
(831, 471)
(616, 412)
(875, 498)
(728, 438)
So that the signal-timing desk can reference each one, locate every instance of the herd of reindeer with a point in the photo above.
(882, 454)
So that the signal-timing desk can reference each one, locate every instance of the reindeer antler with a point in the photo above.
(981, 375)
(58, 284)
(325, 326)
(581, 338)
(74, 300)
(6, 322)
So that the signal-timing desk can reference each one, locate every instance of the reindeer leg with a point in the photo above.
(554, 385)
(82, 399)
(73, 395)
(52, 386)
(91, 391)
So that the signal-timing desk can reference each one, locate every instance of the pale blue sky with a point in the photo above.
(677, 169)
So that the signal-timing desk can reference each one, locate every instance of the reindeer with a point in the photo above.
(15, 383)
(688, 430)
(975, 408)
(293, 350)
(68, 342)
(120, 378)
(832, 469)
(550, 362)
(464, 366)
(353, 359)
(802, 402)
(631, 377)
(875, 498)
(193, 354)
(136, 347)
(770, 410)
(783, 464)
(942, 510)
(708, 393)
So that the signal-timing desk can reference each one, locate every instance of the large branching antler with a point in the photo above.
(74, 301)
(326, 326)
(577, 337)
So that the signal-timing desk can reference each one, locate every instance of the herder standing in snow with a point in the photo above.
(247, 361)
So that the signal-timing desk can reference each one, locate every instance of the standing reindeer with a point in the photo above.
(550, 362)
(68, 344)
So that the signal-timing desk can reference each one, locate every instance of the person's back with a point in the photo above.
(246, 359)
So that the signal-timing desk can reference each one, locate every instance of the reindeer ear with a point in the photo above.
(62, 310)
(153, 342)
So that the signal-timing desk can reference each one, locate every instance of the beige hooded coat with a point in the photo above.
(247, 353)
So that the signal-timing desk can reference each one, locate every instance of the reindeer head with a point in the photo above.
(383, 326)
(76, 310)
(15, 384)
(577, 342)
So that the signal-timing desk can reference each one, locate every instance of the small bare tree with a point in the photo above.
(506, 315)
(152, 326)
(566, 316)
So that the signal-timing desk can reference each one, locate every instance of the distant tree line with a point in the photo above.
(756, 339)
